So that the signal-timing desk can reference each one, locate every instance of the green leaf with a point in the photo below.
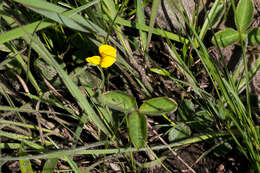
(157, 106)
(257, 129)
(22, 139)
(203, 121)
(137, 129)
(83, 78)
(62, 15)
(218, 13)
(119, 101)
(244, 14)
(185, 111)
(109, 8)
(204, 116)
(25, 165)
(141, 20)
(41, 24)
(160, 71)
(223, 112)
(226, 37)
(29, 28)
(254, 36)
(152, 20)
(156, 31)
(213, 16)
(72, 164)
(49, 165)
(178, 132)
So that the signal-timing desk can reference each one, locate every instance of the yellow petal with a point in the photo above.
(95, 60)
(106, 50)
(107, 61)
(108, 55)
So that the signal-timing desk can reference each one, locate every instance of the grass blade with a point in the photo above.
(19, 32)
(84, 150)
(152, 21)
(141, 20)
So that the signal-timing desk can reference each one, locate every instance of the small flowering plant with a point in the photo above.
(107, 56)
(136, 120)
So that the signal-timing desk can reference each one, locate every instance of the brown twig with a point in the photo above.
(39, 122)
(26, 89)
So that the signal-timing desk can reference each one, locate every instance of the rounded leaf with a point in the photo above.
(119, 101)
(244, 14)
(178, 132)
(254, 36)
(157, 106)
(137, 129)
(226, 37)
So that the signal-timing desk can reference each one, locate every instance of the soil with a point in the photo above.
(231, 163)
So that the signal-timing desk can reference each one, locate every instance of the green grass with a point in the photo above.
(52, 115)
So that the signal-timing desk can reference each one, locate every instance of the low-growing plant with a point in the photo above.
(243, 17)
(136, 117)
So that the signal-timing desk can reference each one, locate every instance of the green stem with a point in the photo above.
(113, 22)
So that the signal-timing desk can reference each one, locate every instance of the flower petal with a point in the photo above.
(95, 60)
(107, 61)
(106, 50)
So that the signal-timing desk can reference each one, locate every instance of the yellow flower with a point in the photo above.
(108, 56)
